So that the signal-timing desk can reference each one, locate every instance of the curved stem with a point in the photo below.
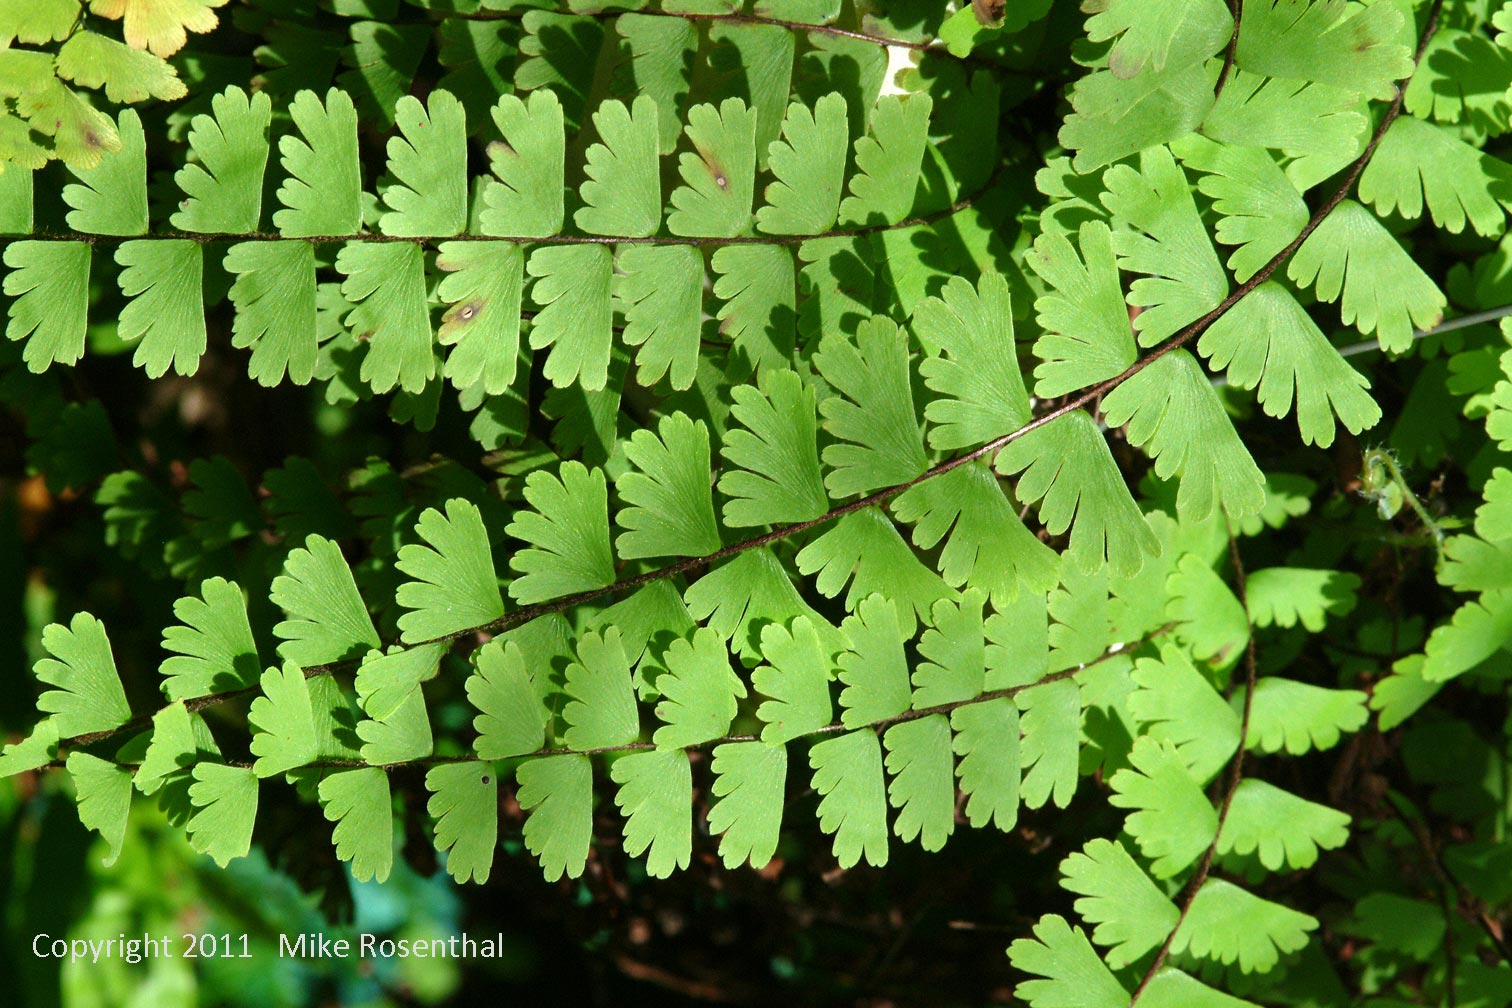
(1236, 766)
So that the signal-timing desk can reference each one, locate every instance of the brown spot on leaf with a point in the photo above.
(989, 12)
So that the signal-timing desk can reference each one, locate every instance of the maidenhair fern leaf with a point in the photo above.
(1172, 987)
(166, 314)
(987, 740)
(848, 774)
(796, 676)
(179, 740)
(225, 803)
(1461, 74)
(719, 174)
(1114, 118)
(755, 287)
(1018, 643)
(358, 802)
(283, 722)
(647, 621)
(45, 21)
(1283, 596)
(483, 283)
(1087, 338)
(750, 591)
(568, 533)
(874, 415)
(1051, 713)
(1324, 40)
(454, 587)
(873, 668)
(385, 283)
(512, 718)
(669, 503)
(464, 802)
(16, 210)
(1168, 243)
(1211, 621)
(979, 389)
(274, 296)
(224, 188)
(50, 284)
(1067, 465)
(1288, 114)
(89, 697)
(1155, 33)
(655, 795)
(1297, 716)
(602, 713)
(1291, 358)
(1417, 161)
(749, 778)
(80, 133)
(1259, 210)
(103, 791)
(1476, 631)
(760, 57)
(557, 791)
(36, 750)
(923, 780)
(1279, 826)
(887, 161)
(1131, 914)
(953, 665)
(776, 479)
(1081, 614)
(401, 736)
(336, 712)
(808, 165)
(660, 52)
(524, 198)
(1179, 706)
(1073, 974)
(865, 550)
(660, 289)
(1228, 924)
(622, 192)
(988, 545)
(328, 621)
(699, 691)
(428, 191)
(213, 651)
(1173, 822)
(385, 681)
(572, 290)
(1171, 411)
(322, 193)
(111, 197)
(160, 28)
(1385, 292)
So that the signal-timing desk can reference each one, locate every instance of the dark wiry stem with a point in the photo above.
(1236, 767)
(879, 725)
(1236, 8)
(1235, 775)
